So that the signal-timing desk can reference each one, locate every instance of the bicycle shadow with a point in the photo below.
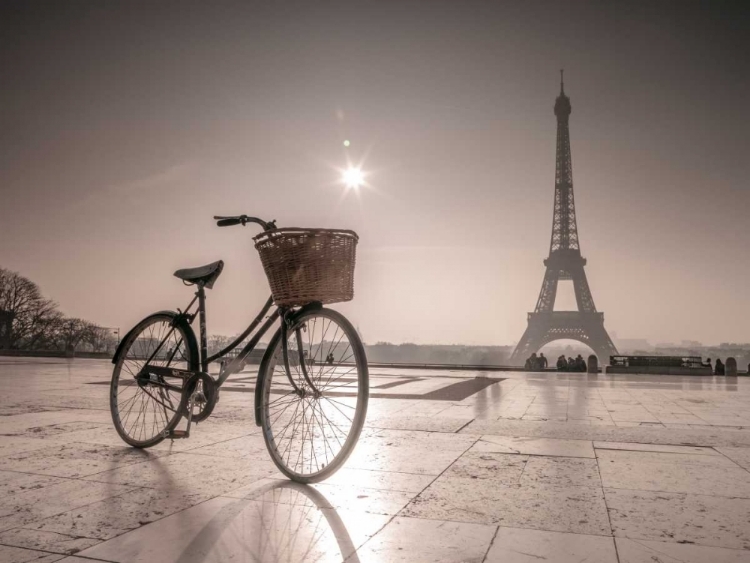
(280, 521)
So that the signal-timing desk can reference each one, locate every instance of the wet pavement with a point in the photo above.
(452, 466)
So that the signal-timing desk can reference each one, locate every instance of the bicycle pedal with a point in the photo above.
(177, 434)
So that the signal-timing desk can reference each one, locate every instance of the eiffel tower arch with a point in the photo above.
(564, 262)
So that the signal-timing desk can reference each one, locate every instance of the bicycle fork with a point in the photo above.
(285, 325)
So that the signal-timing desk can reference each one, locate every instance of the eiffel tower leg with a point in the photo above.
(530, 342)
(600, 342)
(583, 293)
(548, 293)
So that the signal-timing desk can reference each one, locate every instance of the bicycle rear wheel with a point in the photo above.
(146, 407)
(310, 430)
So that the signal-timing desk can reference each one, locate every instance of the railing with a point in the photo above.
(463, 367)
(253, 358)
(657, 361)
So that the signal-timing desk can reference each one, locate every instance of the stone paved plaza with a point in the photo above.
(512, 467)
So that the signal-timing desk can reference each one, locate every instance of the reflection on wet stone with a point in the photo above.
(258, 528)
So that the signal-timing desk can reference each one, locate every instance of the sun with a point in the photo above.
(353, 177)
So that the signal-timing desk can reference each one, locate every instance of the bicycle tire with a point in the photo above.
(277, 419)
(157, 404)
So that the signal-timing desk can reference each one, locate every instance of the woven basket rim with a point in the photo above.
(283, 230)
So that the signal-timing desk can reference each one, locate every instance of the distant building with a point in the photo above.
(6, 326)
(626, 345)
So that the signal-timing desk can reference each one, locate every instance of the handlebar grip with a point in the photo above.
(228, 222)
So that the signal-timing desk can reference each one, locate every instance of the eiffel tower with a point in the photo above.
(564, 263)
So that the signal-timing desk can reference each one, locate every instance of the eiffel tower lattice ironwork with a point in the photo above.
(564, 263)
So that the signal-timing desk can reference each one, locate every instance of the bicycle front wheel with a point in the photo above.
(312, 417)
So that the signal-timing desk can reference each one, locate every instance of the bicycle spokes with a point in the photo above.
(315, 400)
(148, 381)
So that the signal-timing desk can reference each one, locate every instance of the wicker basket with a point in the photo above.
(304, 265)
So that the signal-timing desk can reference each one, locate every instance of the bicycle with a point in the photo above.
(312, 388)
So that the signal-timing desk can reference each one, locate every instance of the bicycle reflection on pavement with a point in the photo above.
(282, 521)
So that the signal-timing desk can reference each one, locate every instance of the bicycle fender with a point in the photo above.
(192, 342)
(314, 306)
(262, 369)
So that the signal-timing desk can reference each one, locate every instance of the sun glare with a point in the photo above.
(353, 177)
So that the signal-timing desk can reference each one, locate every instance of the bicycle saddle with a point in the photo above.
(205, 275)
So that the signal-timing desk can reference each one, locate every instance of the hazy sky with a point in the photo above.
(125, 126)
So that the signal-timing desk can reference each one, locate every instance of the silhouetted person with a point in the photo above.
(542, 361)
(719, 370)
(580, 363)
(571, 364)
(562, 365)
(329, 359)
(708, 364)
(532, 362)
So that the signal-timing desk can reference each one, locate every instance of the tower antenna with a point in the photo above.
(562, 85)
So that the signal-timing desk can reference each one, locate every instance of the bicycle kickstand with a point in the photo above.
(195, 397)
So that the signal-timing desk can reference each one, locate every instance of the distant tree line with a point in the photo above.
(406, 353)
(37, 323)
(438, 354)
(386, 352)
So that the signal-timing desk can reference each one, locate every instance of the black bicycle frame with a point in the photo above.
(237, 363)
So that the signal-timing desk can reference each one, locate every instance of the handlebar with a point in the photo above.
(243, 220)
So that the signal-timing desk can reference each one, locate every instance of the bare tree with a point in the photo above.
(71, 332)
(38, 325)
(100, 339)
(33, 315)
